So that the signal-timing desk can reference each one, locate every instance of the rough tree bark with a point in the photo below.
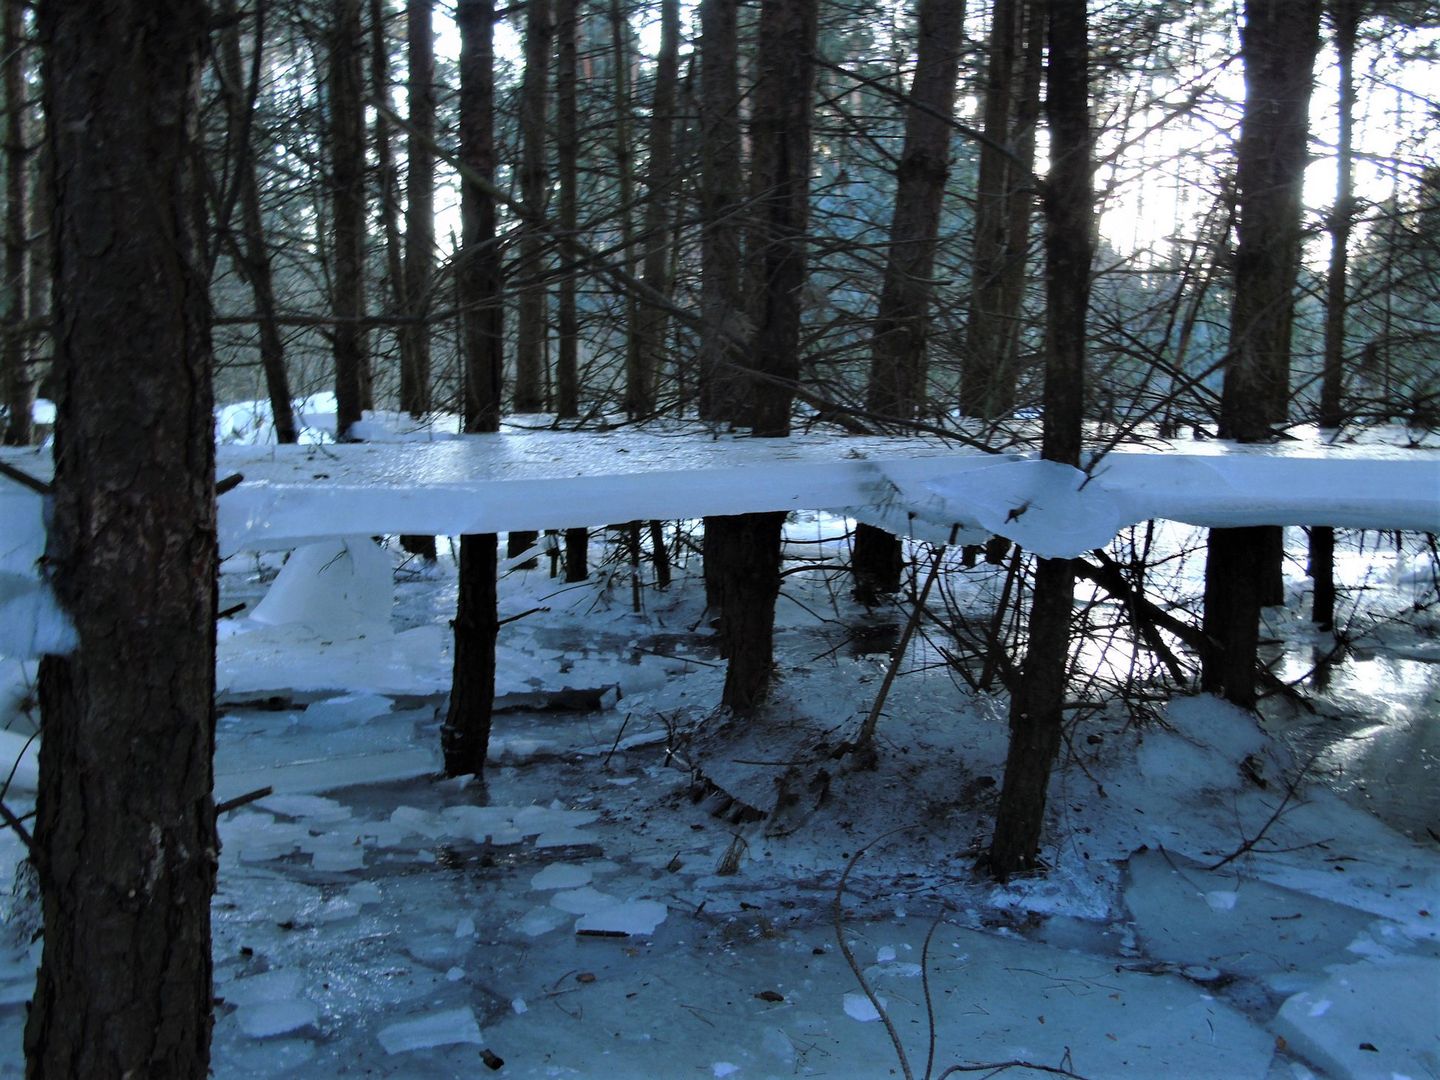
(721, 296)
(1345, 14)
(465, 734)
(347, 178)
(567, 168)
(250, 251)
(1278, 45)
(125, 842)
(747, 548)
(415, 274)
(419, 207)
(721, 195)
(19, 389)
(897, 361)
(1002, 209)
(1037, 703)
(531, 322)
(646, 352)
(567, 151)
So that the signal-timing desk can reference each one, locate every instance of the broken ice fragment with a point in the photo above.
(444, 1028)
(267, 1018)
(635, 917)
(560, 876)
(859, 1007)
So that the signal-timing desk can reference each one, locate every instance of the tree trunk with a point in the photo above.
(347, 163)
(1037, 703)
(897, 361)
(419, 209)
(743, 553)
(19, 390)
(1278, 44)
(721, 194)
(531, 324)
(780, 195)
(1002, 211)
(125, 841)
(649, 352)
(249, 250)
(1346, 16)
(567, 155)
(721, 389)
(465, 734)
(747, 548)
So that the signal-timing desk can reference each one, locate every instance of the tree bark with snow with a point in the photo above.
(125, 843)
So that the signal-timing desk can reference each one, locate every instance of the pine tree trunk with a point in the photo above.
(1278, 44)
(1037, 703)
(19, 389)
(347, 163)
(419, 209)
(743, 554)
(249, 250)
(465, 735)
(987, 387)
(649, 353)
(897, 361)
(125, 841)
(1332, 384)
(780, 197)
(531, 323)
(567, 157)
(746, 548)
(721, 193)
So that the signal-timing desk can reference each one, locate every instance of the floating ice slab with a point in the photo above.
(1369, 1020)
(637, 918)
(444, 1028)
(1188, 915)
(265, 1019)
(560, 876)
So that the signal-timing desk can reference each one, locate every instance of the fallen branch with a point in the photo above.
(25, 480)
(243, 800)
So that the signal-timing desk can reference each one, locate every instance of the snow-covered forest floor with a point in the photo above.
(1223, 900)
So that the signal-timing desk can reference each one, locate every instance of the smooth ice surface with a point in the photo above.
(444, 1028)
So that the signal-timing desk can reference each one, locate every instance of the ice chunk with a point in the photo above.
(1368, 1020)
(267, 986)
(345, 710)
(338, 588)
(310, 807)
(266, 1018)
(539, 920)
(634, 917)
(859, 1007)
(560, 876)
(444, 1028)
(724, 1068)
(583, 901)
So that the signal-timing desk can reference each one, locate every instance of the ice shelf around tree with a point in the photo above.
(920, 487)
